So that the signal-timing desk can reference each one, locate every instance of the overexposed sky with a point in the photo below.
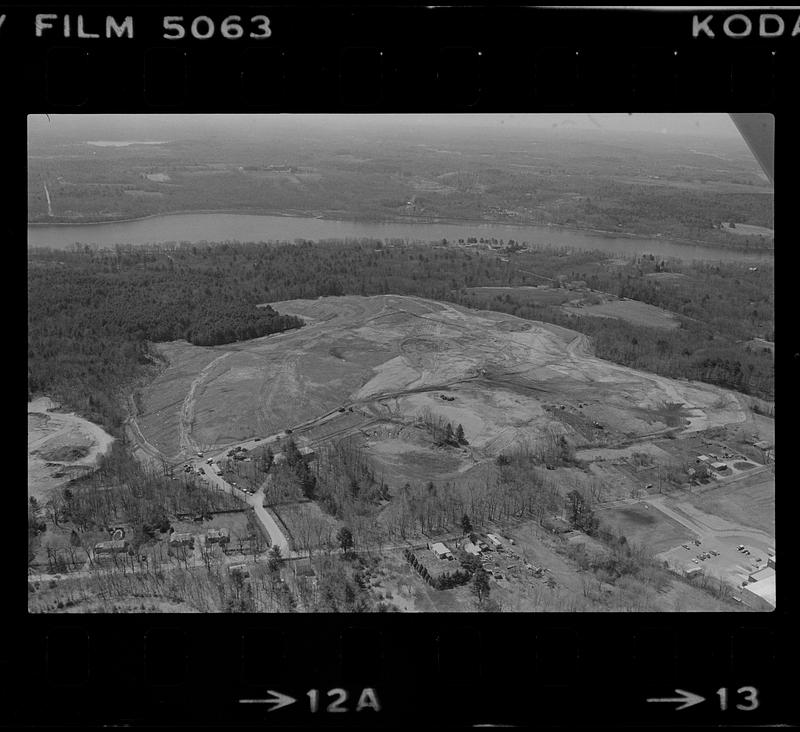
(156, 126)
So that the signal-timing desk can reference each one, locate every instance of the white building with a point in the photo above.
(471, 548)
(441, 551)
(760, 595)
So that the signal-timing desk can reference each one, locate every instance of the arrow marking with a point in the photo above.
(686, 699)
(278, 700)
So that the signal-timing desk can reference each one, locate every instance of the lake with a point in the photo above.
(196, 227)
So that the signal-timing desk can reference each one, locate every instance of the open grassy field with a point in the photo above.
(644, 525)
(541, 295)
(748, 501)
(631, 311)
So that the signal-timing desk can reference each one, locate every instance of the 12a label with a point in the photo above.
(336, 701)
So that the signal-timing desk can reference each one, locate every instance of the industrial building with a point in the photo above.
(761, 574)
(760, 595)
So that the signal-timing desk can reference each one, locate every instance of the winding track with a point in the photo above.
(187, 410)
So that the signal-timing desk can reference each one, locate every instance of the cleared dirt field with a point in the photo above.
(61, 446)
(393, 359)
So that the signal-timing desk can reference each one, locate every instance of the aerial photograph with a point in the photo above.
(333, 363)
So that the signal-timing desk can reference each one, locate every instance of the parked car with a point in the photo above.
(257, 439)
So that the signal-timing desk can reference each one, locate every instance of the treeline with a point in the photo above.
(718, 307)
(92, 317)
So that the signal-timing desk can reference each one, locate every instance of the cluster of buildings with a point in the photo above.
(306, 452)
(442, 551)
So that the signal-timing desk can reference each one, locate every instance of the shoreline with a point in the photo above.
(605, 233)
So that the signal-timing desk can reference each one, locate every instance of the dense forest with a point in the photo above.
(93, 313)
(91, 320)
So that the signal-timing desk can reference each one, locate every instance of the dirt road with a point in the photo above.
(187, 410)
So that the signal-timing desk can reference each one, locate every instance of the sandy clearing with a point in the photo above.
(57, 432)
(356, 349)
(394, 375)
